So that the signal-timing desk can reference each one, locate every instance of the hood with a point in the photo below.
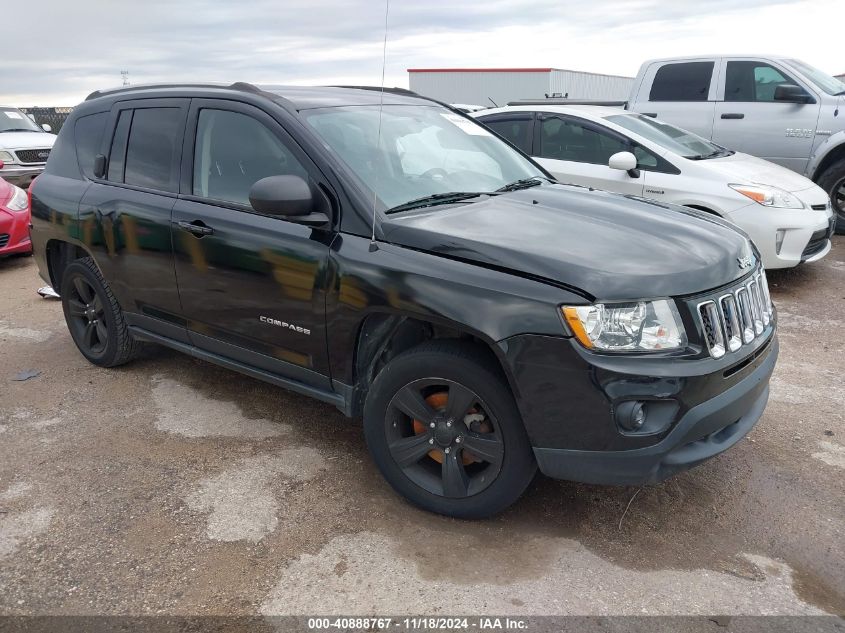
(26, 140)
(743, 169)
(611, 247)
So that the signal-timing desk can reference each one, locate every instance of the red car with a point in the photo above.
(14, 220)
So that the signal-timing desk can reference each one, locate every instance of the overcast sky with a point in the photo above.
(60, 50)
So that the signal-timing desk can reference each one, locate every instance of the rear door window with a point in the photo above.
(153, 148)
(518, 129)
(688, 81)
(117, 154)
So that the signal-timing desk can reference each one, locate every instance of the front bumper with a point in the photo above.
(799, 228)
(20, 175)
(14, 233)
(706, 430)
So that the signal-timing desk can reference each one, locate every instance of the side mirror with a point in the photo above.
(100, 166)
(46, 127)
(790, 93)
(289, 197)
(624, 161)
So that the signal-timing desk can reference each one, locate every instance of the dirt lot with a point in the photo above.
(173, 486)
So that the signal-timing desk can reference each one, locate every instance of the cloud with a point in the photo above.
(83, 45)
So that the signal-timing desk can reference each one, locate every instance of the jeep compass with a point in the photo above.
(384, 253)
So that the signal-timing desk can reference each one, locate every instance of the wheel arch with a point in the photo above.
(833, 155)
(384, 335)
(60, 253)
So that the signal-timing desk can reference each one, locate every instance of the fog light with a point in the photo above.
(631, 415)
(779, 240)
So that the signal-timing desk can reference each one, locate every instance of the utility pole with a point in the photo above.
(125, 75)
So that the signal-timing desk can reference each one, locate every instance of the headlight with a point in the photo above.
(642, 326)
(769, 196)
(18, 201)
(6, 157)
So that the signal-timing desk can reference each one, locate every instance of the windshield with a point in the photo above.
(667, 136)
(13, 120)
(831, 85)
(424, 151)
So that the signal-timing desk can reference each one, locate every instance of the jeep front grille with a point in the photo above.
(737, 316)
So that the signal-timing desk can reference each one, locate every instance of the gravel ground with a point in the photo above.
(171, 486)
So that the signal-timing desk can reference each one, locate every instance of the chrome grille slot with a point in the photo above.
(713, 333)
(735, 318)
(756, 306)
(744, 304)
(765, 304)
(733, 330)
(767, 298)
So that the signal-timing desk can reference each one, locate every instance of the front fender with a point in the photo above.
(489, 304)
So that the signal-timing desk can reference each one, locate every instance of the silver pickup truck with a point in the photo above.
(777, 108)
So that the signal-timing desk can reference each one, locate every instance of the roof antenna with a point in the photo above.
(373, 244)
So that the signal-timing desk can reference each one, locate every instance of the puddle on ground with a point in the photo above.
(241, 502)
(481, 580)
(186, 411)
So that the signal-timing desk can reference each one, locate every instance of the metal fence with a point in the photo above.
(54, 117)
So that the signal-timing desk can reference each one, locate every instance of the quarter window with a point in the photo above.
(152, 149)
(689, 81)
(88, 133)
(562, 139)
(752, 81)
(232, 152)
(517, 129)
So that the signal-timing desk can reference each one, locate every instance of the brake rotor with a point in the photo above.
(473, 419)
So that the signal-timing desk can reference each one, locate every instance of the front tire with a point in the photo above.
(445, 432)
(94, 317)
(833, 182)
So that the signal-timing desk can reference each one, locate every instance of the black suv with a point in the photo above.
(403, 263)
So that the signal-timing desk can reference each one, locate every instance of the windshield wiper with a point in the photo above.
(437, 198)
(20, 129)
(522, 183)
(718, 153)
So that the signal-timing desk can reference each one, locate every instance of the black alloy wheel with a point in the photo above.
(87, 321)
(93, 315)
(443, 437)
(443, 428)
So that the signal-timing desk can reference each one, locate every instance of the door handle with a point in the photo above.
(733, 115)
(197, 227)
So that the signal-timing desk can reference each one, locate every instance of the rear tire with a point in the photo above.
(833, 182)
(445, 432)
(94, 317)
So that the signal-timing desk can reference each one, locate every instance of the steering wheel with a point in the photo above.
(435, 173)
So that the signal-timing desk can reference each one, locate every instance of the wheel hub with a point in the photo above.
(445, 432)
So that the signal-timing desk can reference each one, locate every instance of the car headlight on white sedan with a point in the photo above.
(19, 200)
(640, 326)
(769, 196)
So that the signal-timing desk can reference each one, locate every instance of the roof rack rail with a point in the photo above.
(554, 101)
(396, 91)
(238, 85)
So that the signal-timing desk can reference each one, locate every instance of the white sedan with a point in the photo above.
(788, 217)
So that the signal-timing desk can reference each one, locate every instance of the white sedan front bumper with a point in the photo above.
(786, 237)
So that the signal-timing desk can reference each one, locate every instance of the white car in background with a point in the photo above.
(788, 217)
(24, 147)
